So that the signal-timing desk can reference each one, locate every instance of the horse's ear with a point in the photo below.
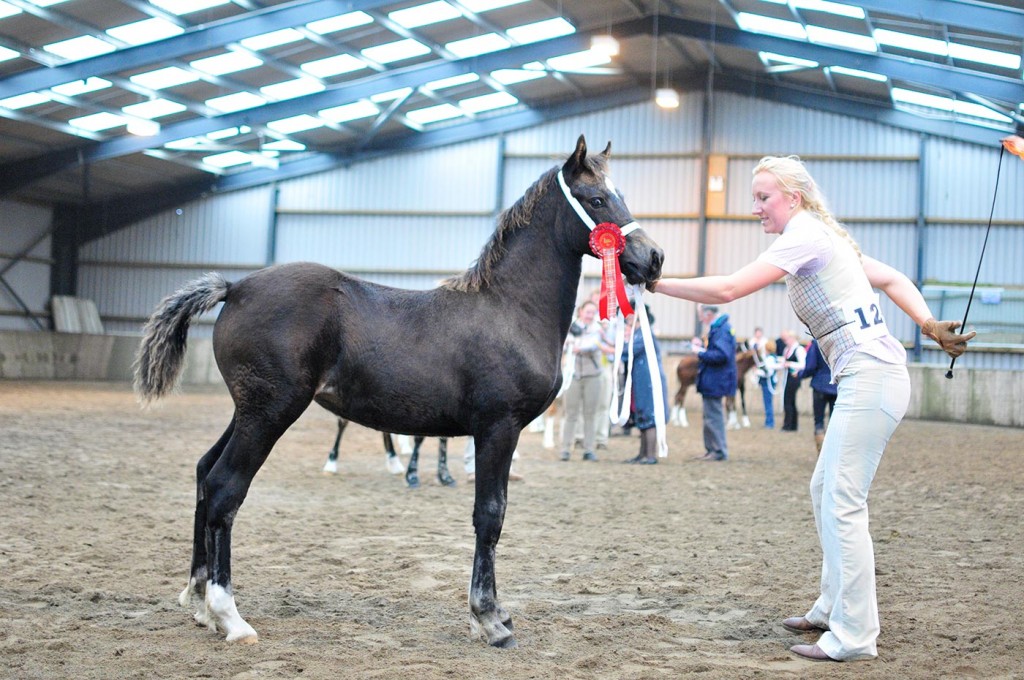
(607, 150)
(575, 162)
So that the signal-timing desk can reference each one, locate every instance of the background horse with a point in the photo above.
(686, 372)
(478, 355)
(412, 478)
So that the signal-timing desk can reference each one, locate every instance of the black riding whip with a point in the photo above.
(1016, 146)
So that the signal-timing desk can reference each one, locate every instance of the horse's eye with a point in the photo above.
(596, 202)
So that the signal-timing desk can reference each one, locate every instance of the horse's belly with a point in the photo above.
(394, 415)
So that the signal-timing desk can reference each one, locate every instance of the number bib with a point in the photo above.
(865, 321)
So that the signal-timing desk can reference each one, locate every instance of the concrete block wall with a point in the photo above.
(986, 397)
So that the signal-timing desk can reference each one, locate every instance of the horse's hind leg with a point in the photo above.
(331, 466)
(744, 420)
(395, 466)
(227, 484)
(443, 475)
(493, 458)
(412, 476)
(197, 572)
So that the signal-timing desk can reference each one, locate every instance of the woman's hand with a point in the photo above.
(943, 332)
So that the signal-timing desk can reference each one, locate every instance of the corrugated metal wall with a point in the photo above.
(22, 225)
(411, 219)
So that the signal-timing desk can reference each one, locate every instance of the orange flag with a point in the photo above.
(1014, 145)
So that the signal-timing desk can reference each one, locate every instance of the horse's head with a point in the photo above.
(587, 181)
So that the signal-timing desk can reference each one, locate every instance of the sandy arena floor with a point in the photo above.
(610, 571)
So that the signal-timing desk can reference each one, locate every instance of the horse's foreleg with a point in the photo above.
(678, 416)
(486, 615)
(412, 477)
(443, 475)
(394, 465)
(331, 466)
(197, 572)
(732, 423)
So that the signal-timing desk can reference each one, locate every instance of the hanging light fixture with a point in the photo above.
(666, 98)
(604, 44)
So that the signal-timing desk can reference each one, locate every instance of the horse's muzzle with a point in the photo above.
(641, 262)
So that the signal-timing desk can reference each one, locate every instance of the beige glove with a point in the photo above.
(954, 344)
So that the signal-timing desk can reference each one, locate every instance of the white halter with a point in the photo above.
(616, 413)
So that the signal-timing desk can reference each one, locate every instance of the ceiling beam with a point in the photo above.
(986, 18)
(196, 40)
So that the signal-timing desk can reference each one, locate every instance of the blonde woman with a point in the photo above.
(830, 285)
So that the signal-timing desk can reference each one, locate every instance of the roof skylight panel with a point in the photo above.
(77, 87)
(229, 62)
(946, 104)
(272, 39)
(154, 108)
(180, 7)
(237, 101)
(424, 15)
(481, 44)
(511, 76)
(454, 81)
(340, 22)
(97, 122)
(8, 10)
(853, 41)
(23, 101)
(293, 124)
(290, 89)
(332, 66)
(907, 41)
(574, 61)
(46, 3)
(487, 102)
(346, 112)
(284, 145)
(164, 77)
(228, 132)
(433, 114)
(145, 31)
(541, 30)
(8, 54)
(983, 55)
(758, 23)
(391, 95)
(82, 47)
(228, 159)
(830, 7)
(395, 51)
(486, 5)
(857, 73)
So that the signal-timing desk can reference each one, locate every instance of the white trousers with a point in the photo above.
(873, 397)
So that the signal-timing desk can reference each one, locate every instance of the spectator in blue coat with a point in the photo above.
(824, 390)
(716, 378)
(643, 393)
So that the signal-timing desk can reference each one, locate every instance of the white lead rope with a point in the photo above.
(619, 414)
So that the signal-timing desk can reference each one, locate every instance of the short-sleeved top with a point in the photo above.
(830, 293)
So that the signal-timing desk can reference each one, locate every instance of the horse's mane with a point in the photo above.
(518, 215)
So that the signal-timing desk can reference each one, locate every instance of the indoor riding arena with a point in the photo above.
(225, 224)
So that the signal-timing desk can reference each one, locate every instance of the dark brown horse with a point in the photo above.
(686, 372)
(479, 355)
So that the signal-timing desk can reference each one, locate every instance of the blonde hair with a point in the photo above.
(793, 178)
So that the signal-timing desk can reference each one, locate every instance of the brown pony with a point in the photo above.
(686, 372)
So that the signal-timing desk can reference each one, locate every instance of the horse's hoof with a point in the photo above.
(413, 482)
(447, 481)
(247, 640)
(506, 643)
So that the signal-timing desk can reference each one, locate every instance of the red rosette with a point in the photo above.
(607, 236)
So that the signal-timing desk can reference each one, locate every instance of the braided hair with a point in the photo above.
(793, 178)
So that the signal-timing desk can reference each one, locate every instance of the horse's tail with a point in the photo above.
(162, 351)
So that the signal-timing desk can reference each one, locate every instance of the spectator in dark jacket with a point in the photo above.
(716, 378)
(824, 391)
